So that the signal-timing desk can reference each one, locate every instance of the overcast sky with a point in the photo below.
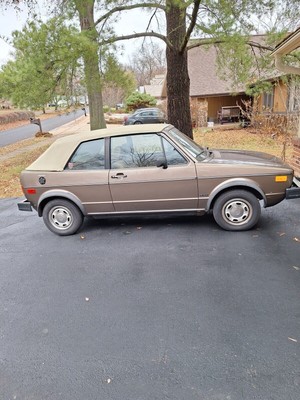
(133, 21)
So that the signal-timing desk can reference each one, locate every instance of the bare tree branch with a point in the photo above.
(126, 8)
(135, 36)
(205, 42)
(150, 20)
(149, 23)
(192, 25)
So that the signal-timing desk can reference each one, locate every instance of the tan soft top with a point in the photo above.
(58, 154)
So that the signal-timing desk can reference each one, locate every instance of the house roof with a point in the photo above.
(204, 79)
(154, 90)
(290, 43)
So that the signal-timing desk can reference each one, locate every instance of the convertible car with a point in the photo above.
(151, 169)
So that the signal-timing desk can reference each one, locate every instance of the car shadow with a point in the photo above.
(151, 221)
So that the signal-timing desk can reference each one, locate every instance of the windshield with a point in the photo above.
(191, 147)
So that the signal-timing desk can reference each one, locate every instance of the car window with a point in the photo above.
(172, 155)
(133, 151)
(88, 155)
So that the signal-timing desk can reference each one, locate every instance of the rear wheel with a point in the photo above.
(237, 210)
(62, 217)
(137, 123)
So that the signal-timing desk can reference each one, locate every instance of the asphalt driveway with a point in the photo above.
(146, 309)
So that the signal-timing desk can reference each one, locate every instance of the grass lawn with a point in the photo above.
(217, 138)
(245, 139)
(10, 171)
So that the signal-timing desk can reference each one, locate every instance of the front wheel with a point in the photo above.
(236, 210)
(62, 217)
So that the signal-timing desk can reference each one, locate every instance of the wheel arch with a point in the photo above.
(236, 184)
(58, 194)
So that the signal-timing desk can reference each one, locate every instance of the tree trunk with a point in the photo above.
(91, 64)
(178, 81)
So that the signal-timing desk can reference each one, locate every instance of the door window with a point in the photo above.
(172, 155)
(134, 151)
(144, 150)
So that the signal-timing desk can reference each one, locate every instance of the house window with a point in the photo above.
(268, 100)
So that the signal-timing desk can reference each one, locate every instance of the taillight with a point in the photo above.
(31, 191)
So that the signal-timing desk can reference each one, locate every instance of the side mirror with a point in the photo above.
(162, 162)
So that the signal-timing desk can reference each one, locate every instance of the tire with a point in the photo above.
(137, 123)
(236, 210)
(62, 217)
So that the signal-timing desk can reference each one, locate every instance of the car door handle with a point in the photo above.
(119, 175)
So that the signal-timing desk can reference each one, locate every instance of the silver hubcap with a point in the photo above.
(60, 217)
(237, 211)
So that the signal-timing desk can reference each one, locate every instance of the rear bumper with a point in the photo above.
(294, 191)
(24, 205)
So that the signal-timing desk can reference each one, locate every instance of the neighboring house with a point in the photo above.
(155, 88)
(287, 46)
(208, 92)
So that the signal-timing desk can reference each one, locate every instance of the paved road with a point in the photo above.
(150, 309)
(27, 131)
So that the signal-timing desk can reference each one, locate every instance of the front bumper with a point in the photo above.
(294, 191)
(24, 205)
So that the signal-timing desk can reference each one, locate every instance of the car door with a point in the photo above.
(144, 117)
(138, 184)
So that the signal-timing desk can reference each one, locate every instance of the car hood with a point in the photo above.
(245, 157)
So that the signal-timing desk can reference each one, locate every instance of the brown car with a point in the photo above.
(150, 169)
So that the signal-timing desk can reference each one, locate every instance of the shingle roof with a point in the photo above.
(154, 90)
(204, 79)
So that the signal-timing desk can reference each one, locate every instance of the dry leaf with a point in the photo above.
(296, 268)
(281, 233)
(82, 237)
(138, 228)
(296, 239)
(293, 340)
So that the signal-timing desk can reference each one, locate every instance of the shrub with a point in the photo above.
(139, 100)
(16, 116)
